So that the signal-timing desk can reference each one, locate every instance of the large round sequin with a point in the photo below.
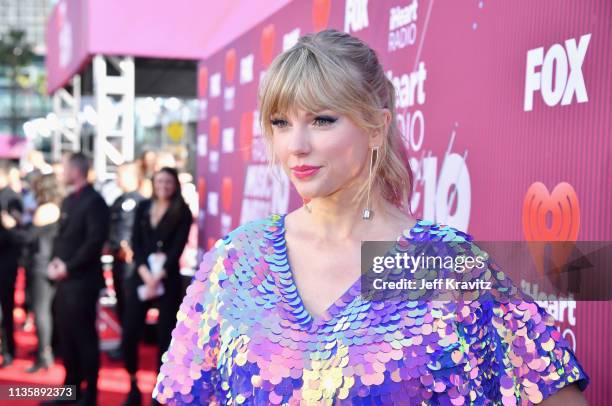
(244, 337)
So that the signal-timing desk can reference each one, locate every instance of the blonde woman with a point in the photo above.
(275, 314)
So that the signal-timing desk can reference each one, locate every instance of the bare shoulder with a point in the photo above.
(296, 221)
(395, 223)
(46, 214)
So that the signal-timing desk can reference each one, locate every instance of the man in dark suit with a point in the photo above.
(11, 209)
(77, 269)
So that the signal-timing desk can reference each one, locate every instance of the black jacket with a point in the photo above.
(171, 234)
(8, 255)
(10, 202)
(122, 214)
(83, 228)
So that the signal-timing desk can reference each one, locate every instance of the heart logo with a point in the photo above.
(215, 131)
(202, 81)
(230, 65)
(551, 217)
(246, 135)
(320, 14)
(267, 44)
(226, 194)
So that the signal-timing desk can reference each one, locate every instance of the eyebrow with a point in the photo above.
(307, 115)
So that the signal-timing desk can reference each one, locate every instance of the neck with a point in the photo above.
(161, 202)
(129, 190)
(79, 184)
(338, 217)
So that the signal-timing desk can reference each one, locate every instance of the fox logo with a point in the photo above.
(356, 15)
(566, 62)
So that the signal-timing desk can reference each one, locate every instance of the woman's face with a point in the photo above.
(321, 153)
(164, 186)
(149, 159)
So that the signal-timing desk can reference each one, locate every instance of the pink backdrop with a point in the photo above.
(182, 29)
(506, 108)
(11, 146)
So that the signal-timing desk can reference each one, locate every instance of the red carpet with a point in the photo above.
(113, 381)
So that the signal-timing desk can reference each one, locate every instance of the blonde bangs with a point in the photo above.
(298, 80)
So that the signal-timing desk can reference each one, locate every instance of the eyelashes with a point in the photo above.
(318, 121)
(322, 121)
(278, 122)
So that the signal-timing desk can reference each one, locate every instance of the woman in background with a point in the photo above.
(40, 235)
(148, 161)
(161, 228)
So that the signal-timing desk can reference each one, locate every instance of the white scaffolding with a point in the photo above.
(114, 104)
(67, 128)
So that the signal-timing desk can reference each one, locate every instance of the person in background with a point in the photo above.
(39, 236)
(161, 228)
(165, 159)
(15, 182)
(58, 170)
(120, 234)
(11, 210)
(26, 254)
(35, 161)
(147, 161)
(32, 166)
(77, 270)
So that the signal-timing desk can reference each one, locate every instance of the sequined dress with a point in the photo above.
(243, 336)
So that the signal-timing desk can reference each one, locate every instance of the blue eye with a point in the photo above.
(278, 122)
(322, 121)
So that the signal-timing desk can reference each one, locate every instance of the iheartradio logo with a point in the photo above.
(215, 84)
(246, 135)
(202, 81)
(226, 194)
(201, 191)
(268, 36)
(215, 131)
(230, 66)
(246, 69)
(551, 217)
(210, 243)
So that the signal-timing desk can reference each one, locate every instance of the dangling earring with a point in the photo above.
(368, 213)
(305, 202)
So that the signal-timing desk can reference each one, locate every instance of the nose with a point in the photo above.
(299, 140)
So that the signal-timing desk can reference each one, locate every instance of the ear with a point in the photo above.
(384, 117)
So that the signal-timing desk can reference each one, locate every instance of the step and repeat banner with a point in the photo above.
(505, 108)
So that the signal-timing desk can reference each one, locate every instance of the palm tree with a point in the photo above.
(15, 53)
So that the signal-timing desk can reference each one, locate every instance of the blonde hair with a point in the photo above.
(333, 70)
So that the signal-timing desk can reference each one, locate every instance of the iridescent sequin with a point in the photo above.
(243, 336)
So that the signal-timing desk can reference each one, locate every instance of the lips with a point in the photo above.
(304, 171)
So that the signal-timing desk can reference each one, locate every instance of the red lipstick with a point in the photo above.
(304, 171)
